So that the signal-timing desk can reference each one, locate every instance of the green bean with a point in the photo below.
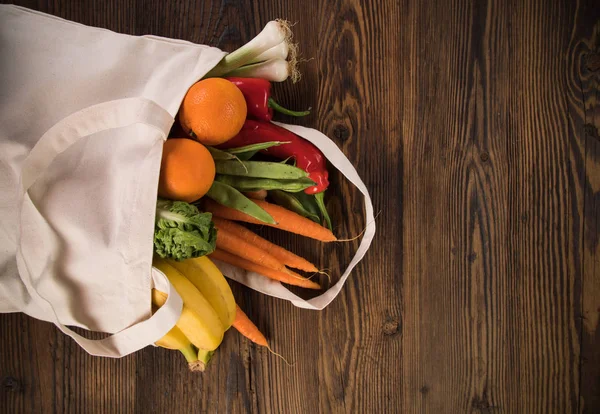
(260, 169)
(230, 197)
(254, 184)
(290, 202)
(320, 198)
(248, 151)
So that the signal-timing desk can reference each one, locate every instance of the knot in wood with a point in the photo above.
(11, 384)
(391, 327)
(341, 132)
(593, 62)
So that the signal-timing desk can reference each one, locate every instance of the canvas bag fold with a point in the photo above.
(83, 116)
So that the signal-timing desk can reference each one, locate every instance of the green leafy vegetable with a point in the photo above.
(182, 232)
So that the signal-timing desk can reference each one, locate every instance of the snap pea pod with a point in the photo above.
(254, 184)
(287, 159)
(245, 156)
(320, 198)
(260, 169)
(315, 203)
(308, 202)
(230, 197)
(290, 202)
(219, 155)
(248, 151)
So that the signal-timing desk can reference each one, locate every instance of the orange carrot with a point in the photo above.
(285, 219)
(246, 327)
(284, 256)
(259, 195)
(288, 277)
(235, 245)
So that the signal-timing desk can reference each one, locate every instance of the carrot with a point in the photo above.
(235, 245)
(260, 194)
(285, 219)
(284, 256)
(246, 327)
(288, 277)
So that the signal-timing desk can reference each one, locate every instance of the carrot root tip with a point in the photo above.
(280, 356)
(324, 272)
(363, 230)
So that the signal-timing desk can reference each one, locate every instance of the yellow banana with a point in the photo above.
(208, 322)
(175, 339)
(191, 325)
(209, 280)
(203, 357)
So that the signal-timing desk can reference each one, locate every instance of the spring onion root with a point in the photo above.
(293, 53)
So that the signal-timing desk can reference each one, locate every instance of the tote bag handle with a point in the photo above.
(108, 115)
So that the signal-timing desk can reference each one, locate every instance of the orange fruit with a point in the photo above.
(213, 111)
(187, 170)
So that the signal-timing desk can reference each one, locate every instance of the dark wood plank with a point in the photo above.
(474, 125)
(492, 238)
(583, 97)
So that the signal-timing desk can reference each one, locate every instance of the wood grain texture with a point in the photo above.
(475, 125)
(584, 100)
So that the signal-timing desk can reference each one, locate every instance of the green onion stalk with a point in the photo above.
(273, 34)
(280, 51)
(274, 70)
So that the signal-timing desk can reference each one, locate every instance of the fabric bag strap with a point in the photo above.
(101, 117)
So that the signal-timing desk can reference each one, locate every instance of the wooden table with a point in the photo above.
(475, 125)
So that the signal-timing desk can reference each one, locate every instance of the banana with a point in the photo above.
(198, 320)
(204, 357)
(209, 280)
(175, 339)
(191, 325)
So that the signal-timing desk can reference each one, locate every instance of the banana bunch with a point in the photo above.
(208, 308)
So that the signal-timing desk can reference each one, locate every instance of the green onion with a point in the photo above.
(275, 70)
(276, 52)
(274, 33)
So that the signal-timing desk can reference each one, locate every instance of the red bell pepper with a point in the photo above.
(307, 156)
(257, 93)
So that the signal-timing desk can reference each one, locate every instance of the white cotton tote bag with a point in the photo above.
(84, 113)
